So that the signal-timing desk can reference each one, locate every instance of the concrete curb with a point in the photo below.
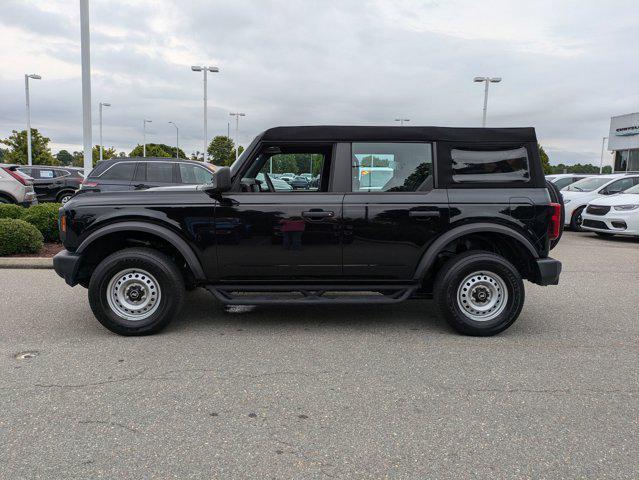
(26, 262)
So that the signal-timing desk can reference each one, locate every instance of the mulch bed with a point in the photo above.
(48, 250)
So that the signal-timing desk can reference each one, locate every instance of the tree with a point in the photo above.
(64, 158)
(221, 150)
(545, 161)
(17, 153)
(3, 152)
(156, 150)
(607, 169)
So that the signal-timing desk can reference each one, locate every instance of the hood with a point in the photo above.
(619, 199)
(574, 194)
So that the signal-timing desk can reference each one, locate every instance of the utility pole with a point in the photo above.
(85, 48)
(102, 104)
(487, 81)
(144, 122)
(177, 140)
(26, 91)
(237, 116)
(204, 69)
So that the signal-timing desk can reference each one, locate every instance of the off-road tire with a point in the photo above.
(161, 267)
(449, 281)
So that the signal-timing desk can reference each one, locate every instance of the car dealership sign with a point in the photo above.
(624, 132)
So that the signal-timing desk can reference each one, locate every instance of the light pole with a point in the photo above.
(27, 76)
(486, 80)
(144, 122)
(177, 140)
(603, 142)
(402, 120)
(237, 116)
(204, 69)
(102, 104)
(85, 49)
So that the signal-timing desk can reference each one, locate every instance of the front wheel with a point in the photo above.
(479, 293)
(136, 291)
(576, 220)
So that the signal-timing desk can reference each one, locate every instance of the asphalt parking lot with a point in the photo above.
(333, 392)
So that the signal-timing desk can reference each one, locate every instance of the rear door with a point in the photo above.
(266, 233)
(393, 212)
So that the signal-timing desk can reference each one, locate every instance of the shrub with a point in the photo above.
(18, 236)
(45, 218)
(9, 210)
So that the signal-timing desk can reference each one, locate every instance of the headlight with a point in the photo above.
(625, 208)
(566, 200)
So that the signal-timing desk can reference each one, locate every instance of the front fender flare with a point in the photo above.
(164, 233)
(429, 257)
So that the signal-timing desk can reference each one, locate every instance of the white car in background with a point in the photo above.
(581, 193)
(562, 180)
(618, 214)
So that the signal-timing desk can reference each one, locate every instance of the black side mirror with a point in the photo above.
(220, 182)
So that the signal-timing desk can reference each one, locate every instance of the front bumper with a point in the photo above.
(67, 264)
(620, 223)
(547, 271)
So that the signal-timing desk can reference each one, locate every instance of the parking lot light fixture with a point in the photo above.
(102, 104)
(177, 140)
(27, 76)
(486, 81)
(237, 116)
(205, 69)
(144, 122)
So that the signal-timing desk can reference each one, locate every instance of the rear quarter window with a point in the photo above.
(490, 166)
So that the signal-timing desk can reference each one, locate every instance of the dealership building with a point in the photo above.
(623, 141)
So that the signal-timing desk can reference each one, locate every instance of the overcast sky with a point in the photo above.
(567, 66)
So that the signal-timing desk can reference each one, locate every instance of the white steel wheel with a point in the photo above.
(133, 294)
(482, 296)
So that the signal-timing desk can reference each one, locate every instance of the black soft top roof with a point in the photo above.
(337, 133)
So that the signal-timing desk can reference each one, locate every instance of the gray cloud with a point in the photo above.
(565, 70)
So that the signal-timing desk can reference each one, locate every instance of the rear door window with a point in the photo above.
(391, 167)
(494, 166)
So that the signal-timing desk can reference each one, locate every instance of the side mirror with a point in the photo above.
(220, 182)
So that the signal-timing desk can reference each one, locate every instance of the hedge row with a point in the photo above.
(43, 216)
(18, 236)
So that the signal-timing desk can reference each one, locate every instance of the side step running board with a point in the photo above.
(310, 295)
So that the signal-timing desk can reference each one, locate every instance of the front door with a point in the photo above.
(267, 230)
(393, 212)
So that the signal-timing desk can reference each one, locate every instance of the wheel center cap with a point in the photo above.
(135, 293)
(481, 295)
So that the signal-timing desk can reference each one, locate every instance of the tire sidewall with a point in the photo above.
(458, 271)
(573, 219)
(170, 299)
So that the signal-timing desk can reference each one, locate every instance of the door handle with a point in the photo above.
(423, 213)
(140, 186)
(317, 214)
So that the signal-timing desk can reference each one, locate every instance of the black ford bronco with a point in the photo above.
(460, 215)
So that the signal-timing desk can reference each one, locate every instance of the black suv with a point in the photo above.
(460, 215)
(124, 174)
(53, 184)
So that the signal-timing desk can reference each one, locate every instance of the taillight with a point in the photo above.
(17, 176)
(88, 184)
(554, 228)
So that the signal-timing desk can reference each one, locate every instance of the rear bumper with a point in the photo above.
(547, 271)
(66, 264)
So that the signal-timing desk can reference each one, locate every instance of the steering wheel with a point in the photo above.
(269, 182)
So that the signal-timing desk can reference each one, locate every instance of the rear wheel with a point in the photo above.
(64, 197)
(576, 220)
(136, 291)
(479, 293)
(5, 200)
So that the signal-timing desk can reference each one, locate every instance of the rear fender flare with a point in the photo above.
(429, 257)
(164, 233)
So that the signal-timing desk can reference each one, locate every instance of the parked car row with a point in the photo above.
(604, 204)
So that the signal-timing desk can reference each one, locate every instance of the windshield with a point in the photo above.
(634, 189)
(587, 184)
